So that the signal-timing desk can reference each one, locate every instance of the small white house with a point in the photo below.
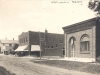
(7, 45)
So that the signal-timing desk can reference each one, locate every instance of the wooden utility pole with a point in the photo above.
(29, 49)
(40, 43)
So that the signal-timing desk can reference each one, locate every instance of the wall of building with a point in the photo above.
(77, 35)
(9, 48)
(54, 45)
(34, 37)
(45, 40)
(6, 47)
(24, 39)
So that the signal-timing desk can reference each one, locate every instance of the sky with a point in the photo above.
(17, 16)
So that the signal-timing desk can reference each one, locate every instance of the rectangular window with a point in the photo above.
(84, 46)
(51, 46)
(48, 46)
(61, 40)
(56, 45)
(23, 40)
(10, 44)
(26, 39)
(19, 40)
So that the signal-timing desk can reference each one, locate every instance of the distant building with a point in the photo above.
(50, 44)
(7, 45)
(82, 40)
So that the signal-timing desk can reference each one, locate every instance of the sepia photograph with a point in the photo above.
(49, 37)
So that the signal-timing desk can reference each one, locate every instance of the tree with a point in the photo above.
(95, 6)
(15, 46)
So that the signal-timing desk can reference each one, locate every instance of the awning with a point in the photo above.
(35, 48)
(22, 48)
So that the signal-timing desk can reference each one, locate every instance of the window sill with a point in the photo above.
(87, 52)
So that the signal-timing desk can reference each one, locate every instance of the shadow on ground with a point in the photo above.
(3, 71)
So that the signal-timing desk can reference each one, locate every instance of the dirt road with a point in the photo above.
(23, 66)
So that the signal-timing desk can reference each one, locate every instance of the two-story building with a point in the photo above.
(82, 40)
(49, 44)
(7, 45)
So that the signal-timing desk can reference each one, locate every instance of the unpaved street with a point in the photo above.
(23, 66)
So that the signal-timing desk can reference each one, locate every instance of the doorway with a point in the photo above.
(72, 47)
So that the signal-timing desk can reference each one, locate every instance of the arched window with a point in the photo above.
(84, 43)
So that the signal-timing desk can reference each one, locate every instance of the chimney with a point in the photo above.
(45, 36)
(46, 31)
(13, 39)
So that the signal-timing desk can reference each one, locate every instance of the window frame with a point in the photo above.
(61, 41)
(26, 39)
(56, 45)
(52, 47)
(85, 45)
(48, 47)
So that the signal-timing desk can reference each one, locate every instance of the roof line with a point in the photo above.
(82, 22)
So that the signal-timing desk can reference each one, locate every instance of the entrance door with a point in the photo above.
(73, 51)
(72, 47)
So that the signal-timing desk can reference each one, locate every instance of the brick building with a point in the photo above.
(7, 45)
(50, 44)
(54, 44)
(82, 40)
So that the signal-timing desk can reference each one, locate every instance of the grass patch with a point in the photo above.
(72, 65)
(3, 71)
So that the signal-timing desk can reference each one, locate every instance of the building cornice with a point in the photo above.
(84, 25)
